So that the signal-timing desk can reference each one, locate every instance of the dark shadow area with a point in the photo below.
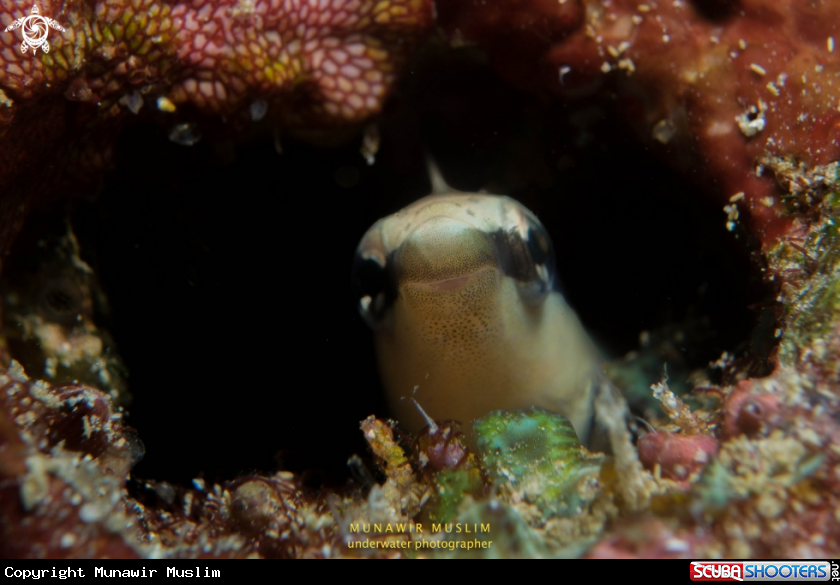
(230, 292)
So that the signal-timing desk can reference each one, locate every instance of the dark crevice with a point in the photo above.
(717, 10)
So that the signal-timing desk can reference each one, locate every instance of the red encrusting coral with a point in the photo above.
(741, 92)
(64, 454)
(679, 456)
(749, 414)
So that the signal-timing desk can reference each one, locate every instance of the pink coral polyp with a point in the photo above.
(678, 455)
(749, 414)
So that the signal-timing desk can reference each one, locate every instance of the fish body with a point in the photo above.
(460, 291)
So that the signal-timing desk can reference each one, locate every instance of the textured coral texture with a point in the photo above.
(743, 97)
(217, 54)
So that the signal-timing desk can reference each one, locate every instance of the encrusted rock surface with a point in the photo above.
(719, 87)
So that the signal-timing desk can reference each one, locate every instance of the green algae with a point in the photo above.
(538, 454)
(452, 487)
(811, 304)
(809, 268)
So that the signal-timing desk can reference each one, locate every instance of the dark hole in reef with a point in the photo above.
(229, 276)
(717, 10)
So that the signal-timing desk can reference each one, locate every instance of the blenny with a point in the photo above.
(460, 291)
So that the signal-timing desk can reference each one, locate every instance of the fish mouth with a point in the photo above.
(451, 283)
(454, 283)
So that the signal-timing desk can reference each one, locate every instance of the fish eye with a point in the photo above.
(371, 286)
(540, 264)
(529, 259)
(542, 257)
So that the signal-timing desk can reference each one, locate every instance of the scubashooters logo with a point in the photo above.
(717, 571)
(763, 571)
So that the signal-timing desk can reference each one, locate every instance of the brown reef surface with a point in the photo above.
(745, 94)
